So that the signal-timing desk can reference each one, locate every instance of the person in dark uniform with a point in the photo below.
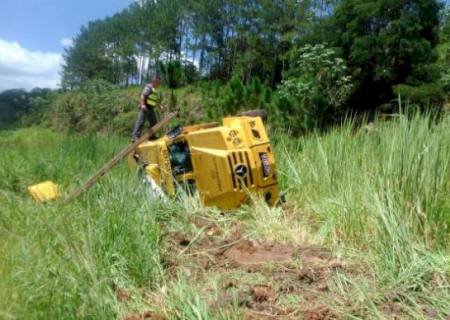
(147, 108)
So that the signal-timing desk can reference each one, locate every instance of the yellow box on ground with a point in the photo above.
(45, 191)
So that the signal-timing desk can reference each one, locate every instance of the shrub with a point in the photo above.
(219, 100)
(123, 123)
(319, 81)
(425, 96)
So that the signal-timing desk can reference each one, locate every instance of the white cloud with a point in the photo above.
(21, 68)
(66, 42)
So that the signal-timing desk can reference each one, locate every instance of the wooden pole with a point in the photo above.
(122, 154)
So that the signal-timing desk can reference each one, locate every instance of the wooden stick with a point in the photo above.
(122, 154)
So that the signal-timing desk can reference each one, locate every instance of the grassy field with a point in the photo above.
(368, 216)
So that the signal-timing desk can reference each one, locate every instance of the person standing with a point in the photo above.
(147, 108)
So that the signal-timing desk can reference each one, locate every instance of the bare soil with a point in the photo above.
(144, 316)
(303, 272)
(268, 279)
(247, 253)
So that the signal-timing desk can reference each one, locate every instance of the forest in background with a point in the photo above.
(371, 50)
(308, 63)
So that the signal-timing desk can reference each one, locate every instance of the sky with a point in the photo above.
(34, 33)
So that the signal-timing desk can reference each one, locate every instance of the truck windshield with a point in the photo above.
(180, 158)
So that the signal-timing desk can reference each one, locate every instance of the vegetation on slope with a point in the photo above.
(377, 198)
(16, 103)
(309, 63)
(388, 47)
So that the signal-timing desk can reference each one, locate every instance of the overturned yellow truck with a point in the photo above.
(225, 164)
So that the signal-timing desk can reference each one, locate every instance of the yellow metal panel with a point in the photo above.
(43, 192)
(249, 129)
(208, 138)
(153, 172)
(212, 170)
(167, 180)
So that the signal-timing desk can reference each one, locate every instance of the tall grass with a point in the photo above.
(382, 196)
(384, 192)
(63, 261)
(391, 183)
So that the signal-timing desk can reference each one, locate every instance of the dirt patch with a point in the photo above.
(148, 315)
(249, 252)
(319, 313)
(122, 295)
(318, 257)
(393, 311)
(263, 293)
(268, 280)
(210, 227)
(180, 239)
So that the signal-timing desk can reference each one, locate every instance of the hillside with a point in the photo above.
(364, 234)
(102, 107)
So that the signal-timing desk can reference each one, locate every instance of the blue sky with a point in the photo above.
(33, 34)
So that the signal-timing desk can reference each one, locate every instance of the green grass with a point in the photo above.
(384, 194)
(379, 199)
(61, 261)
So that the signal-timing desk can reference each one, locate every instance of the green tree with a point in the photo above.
(320, 81)
(265, 34)
(444, 49)
(385, 43)
(173, 76)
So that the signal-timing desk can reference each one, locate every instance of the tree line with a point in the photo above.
(17, 103)
(331, 56)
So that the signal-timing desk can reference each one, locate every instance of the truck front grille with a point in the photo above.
(241, 158)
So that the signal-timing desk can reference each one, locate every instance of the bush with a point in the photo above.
(319, 81)
(92, 108)
(219, 100)
(427, 96)
(172, 74)
(191, 73)
(39, 110)
(123, 123)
